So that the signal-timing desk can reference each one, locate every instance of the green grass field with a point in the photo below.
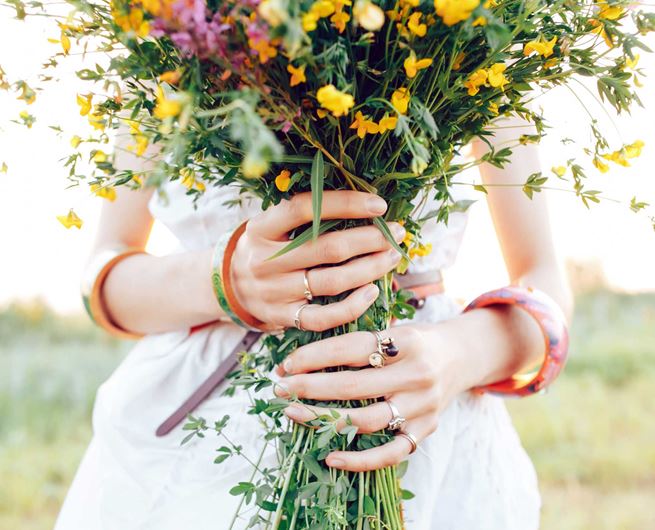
(592, 436)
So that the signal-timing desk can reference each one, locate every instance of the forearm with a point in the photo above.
(492, 344)
(148, 294)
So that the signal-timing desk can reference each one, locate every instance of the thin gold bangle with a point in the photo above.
(93, 280)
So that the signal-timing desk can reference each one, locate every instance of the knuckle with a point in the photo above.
(424, 374)
(297, 385)
(295, 207)
(334, 250)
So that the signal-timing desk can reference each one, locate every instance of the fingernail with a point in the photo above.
(287, 365)
(281, 391)
(376, 205)
(371, 293)
(399, 232)
(294, 412)
(336, 462)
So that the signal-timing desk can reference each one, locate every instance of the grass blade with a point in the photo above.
(384, 228)
(317, 183)
(304, 238)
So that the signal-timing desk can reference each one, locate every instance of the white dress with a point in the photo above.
(471, 474)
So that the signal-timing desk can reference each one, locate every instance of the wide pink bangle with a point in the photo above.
(552, 323)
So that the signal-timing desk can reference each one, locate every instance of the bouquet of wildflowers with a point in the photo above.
(284, 96)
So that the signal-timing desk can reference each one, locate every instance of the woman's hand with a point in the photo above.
(272, 290)
(421, 380)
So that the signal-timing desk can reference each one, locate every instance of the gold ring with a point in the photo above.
(409, 437)
(396, 422)
(308, 292)
(296, 318)
(376, 359)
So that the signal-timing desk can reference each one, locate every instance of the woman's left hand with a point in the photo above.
(420, 381)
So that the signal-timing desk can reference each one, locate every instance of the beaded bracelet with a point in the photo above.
(552, 323)
(221, 280)
(94, 277)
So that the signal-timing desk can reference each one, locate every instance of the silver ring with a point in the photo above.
(308, 292)
(410, 438)
(296, 319)
(396, 422)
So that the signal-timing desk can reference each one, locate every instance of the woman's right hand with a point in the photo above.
(272, 290)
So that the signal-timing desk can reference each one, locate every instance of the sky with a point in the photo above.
(41, 259)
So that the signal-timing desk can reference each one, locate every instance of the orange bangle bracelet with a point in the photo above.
(95, 275)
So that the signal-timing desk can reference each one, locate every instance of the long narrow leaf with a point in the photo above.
(304, 238)
(317, 182)
(384, 228)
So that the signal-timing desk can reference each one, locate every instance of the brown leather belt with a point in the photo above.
(421, 285)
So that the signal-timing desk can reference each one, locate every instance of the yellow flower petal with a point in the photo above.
(70, 220)
(283, 180)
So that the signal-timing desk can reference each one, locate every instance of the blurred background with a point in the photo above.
(592, 436)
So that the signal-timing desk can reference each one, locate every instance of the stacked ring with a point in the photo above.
(396, 422)
(410, 438)
(308, 292)
(296, 319)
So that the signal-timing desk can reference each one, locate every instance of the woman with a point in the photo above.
(469, 472)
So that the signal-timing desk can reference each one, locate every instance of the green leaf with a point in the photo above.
(384, 228)
(304, 238)
(317, 183)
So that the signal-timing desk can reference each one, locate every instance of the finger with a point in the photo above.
(316, 317)
(351, 349)
(371, 418)
(332, 281)
(390, 454)
(336, 247)
(368, 383)
(276, 222)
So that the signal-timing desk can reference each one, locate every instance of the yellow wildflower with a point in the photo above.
(99, 157)
(104, 192)
(480, 21)
(633, 150)
(322, 8)
(420, 250)
(85, 103)
(551, 62)
(541, 47)
(141, 144)
(618, 157)
(493, 107)
(75, 141)
(65, 43)
(166, 107)
(297, 74)
(70, 220)
(309, 21)
(363, 125)
(253, 166)
(97, 121)
(459, 59)
(415, 26)
(332, 99)
(387, 123)
(455, 11)
(189, 180)
(497, 77)
(283, 180)
(26, 93)
(340, 18)
(400, 100)
(265, 49)
(610, 12)
(475, 81)
(600, 165)
(413, 65)
(368, 15)
(632, 63)
(28, 119)
(560, 171)
(171, 77)
(4, 168)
